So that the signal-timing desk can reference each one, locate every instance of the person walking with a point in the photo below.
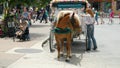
(111, 16)
(89, 20)
(96, 17)
(101, 17)
(119, 18)
(45, 16)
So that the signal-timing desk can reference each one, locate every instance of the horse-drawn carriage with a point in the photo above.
(67, 25)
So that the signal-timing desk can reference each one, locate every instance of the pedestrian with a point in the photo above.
(101, 17)
(45, 16)
(109, 10)
(119, 18)
(96, 17)
(48, 10)
(38, 15)
(25, 14)
(89, 21)
(111, 16)
(26, 19)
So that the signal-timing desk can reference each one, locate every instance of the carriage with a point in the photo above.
(76, 32)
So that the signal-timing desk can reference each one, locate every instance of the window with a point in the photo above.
(118, 5)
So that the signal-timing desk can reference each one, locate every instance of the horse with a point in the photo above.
(66, 26)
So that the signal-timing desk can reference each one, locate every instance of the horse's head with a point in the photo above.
(68, 19)
(75, 22)
(63, 20)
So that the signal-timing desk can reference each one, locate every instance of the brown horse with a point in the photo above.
(66, 27)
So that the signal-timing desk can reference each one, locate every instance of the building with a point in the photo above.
(105, 5)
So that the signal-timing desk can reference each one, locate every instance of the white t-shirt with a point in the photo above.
(88, 19)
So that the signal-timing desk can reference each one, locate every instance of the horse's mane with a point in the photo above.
(63, 13)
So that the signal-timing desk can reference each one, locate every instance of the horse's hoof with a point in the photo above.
(58, 57)
(70, 56)
(61, 55)
(67, 60)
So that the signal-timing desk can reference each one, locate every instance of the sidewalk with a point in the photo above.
(11, 51)
(39, 58)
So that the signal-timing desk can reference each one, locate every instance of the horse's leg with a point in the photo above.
(58, 47)
(68, 47)
(62, 47)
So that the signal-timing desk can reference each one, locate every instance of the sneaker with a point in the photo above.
(94, 48)
(88, 50)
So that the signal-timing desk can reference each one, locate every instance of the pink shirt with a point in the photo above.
(112, 14)
(119, 15)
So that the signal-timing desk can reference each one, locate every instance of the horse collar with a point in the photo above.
(62, 31)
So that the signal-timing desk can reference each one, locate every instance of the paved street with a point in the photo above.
(108, 53)
(30, 54)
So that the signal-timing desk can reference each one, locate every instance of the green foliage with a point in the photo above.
(37, 3)
(2, 1)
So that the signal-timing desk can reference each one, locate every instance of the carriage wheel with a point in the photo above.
(51, 37)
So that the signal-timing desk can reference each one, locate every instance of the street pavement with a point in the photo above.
(33, 55)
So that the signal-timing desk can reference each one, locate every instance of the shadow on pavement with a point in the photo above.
(78, 49)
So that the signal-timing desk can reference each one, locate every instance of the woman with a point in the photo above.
(119, 18)
(89, 21)
(111, 16)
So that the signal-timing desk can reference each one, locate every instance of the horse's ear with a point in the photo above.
(73, 14)
(72, 17)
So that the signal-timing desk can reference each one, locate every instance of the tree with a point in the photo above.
(9, 4)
